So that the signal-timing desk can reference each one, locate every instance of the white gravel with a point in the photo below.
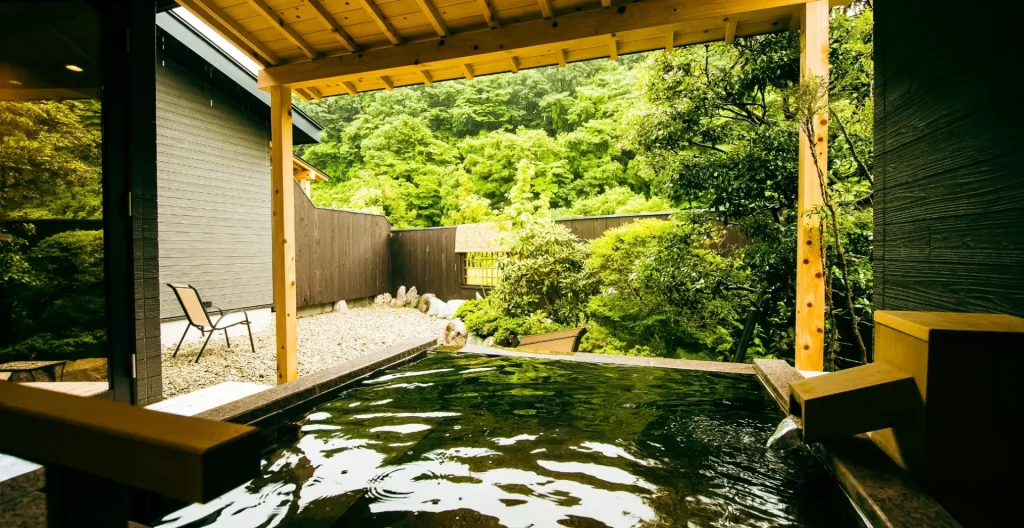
(323, 341)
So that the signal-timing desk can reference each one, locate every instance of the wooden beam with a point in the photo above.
(467, 70)
(188, 459)
(282, 247)
(810, 265)
(427, 79)
(730, 31)
(606, 3)
(513, 64)
(794, 22)
(231, 30)
(613, 50)
(560, 56)
(670, 41)
(485, 10)
(545, 8)
(262, 8)
(435, 18)
(303, 94)
(332, 24)
(578, 30)
(349, 87)
(388, 85)
(315, 93)
(382, 21)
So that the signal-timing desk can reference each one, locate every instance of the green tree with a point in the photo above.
(50, 160)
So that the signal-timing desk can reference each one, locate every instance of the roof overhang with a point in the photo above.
(329, 47)
(304, 171)
(186, 46)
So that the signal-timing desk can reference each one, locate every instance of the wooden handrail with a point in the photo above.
(182, 458)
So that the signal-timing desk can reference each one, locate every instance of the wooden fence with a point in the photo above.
(426, 258)
(339, 255)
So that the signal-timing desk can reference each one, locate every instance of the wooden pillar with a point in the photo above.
(810, 265)
(282, 211)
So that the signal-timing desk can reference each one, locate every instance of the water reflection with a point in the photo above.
(600, 446)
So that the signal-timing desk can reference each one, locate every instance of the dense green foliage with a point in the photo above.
(49, 160)
(666, 289)
(53, 297)
(51, 293)
(451, 153)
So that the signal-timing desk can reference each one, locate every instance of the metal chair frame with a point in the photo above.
(213, 326)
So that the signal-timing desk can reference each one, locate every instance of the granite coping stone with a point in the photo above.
(884, 493)
(776, 374)
(281, 397)
(607, 359)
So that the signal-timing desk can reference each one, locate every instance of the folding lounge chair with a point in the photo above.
(197, 316)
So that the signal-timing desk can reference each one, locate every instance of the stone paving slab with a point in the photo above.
(608, 359)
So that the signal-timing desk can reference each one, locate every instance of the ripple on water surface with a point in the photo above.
(476, 441)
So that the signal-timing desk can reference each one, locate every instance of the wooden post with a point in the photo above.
(282, 246)
(810, 265)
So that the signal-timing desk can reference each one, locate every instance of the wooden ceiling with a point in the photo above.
(322, 48)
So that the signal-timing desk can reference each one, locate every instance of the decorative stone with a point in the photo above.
(341, 306)
(454, 334)
(437, 307)
(478, 296)
(412, 300)
(424, 304)
(453, 306)
(400, 297)
(412, 291)
(379, 299)
(386, 298)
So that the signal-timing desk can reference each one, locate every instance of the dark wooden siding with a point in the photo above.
(213, 185)
(339, 255)
(949, 197)
(426, 258)
(949, 214)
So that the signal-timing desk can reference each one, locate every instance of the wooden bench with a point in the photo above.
(562, 341)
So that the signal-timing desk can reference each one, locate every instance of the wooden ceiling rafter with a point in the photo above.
(545, 8)
(382, 21)
(231, 30)
(488, 14)
(275, 20)
(332, 25)
(435, 18)
(386, 81)
(407, 42)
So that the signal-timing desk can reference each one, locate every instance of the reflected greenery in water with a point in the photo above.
(477, 441)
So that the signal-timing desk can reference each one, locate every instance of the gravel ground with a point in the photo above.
(324, 341)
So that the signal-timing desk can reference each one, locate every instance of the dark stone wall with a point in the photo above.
(949, 197)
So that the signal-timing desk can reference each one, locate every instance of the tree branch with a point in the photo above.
(853, 150)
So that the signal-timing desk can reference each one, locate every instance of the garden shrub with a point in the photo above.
(485, 318)
(663, 285)
(543, 271)
(55, 301)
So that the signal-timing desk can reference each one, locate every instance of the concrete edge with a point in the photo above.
(884, 494)
(629, 361)
(285, 396)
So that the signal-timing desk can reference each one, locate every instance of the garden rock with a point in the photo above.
(478, 296)
(454, 305)
(424, 304)
(412, 291)
(384, 298)
(412, 300)
(454, 334)
(437, 307)
(399, 297)
(341, 306)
